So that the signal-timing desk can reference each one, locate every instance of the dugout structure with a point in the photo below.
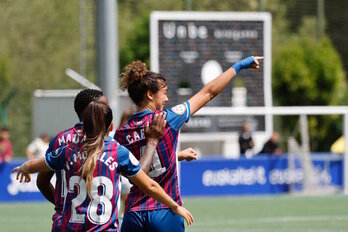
(192, 48)
(53, 110)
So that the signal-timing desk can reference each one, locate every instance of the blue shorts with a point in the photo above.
(152, 221)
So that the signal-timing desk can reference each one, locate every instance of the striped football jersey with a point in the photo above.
(97, 211)
(164, 166)
(71, 135)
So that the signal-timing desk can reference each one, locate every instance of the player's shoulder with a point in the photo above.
(121, 148)
(61, 151)
(110, 142)
(64, 132)
(180, 110)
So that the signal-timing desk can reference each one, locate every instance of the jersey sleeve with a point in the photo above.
(178, 115)
(129, 165)
(55, 159)
(51, 145)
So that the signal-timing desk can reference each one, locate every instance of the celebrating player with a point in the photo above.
(56, 195)
(92, 169)
(148, 90)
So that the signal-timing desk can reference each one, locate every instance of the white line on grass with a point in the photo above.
(285, 219)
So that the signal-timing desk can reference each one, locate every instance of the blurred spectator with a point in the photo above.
(6, 152)
(245, 140)
(271, 146)
(38, 147)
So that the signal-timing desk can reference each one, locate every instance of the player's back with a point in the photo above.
(97, 212)
(71, 135)
(164, 168)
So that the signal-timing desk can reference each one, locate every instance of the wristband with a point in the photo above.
(243, 64)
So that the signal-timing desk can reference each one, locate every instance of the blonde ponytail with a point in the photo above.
(96, 119)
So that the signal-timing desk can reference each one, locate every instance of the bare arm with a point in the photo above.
(154, 190)
(187, 154)
(30, 166)
(153, 134)
(43, 182)
(214, 87)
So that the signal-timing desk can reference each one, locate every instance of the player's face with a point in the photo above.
(160, 98)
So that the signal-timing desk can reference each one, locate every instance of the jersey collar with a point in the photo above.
(141, 114)
(78, 125)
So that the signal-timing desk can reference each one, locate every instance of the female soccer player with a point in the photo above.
(56, 194)
(148, 90)
(92, 175)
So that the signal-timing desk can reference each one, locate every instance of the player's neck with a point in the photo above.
(146, 107)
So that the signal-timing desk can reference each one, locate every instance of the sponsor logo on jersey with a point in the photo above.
(179, 109)
(57, 152)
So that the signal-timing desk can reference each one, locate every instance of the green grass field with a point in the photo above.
(259, 214)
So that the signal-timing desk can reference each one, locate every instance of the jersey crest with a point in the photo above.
(179, 109)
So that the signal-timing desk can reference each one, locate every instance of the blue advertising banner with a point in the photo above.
(266, 174)
(259, 175)
(12, 190)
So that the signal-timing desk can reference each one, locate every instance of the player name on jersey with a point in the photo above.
(69, 138)
(135, 136)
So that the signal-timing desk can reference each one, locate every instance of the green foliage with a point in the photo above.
(39, 40)
(225, 5)
(138, 45)
(5, 79)
(307, 72)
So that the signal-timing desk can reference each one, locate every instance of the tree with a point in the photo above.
(39, 40)
(309, 72)
(5, 79)
(138, 45)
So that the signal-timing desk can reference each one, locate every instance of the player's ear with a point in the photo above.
(149, 95)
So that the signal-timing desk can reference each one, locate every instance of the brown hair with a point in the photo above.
(138, 80)
(96, 119)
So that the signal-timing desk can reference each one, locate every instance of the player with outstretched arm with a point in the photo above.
(148, 90)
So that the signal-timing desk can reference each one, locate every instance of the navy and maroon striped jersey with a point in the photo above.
(97, 212)
(164, 167)
(71, 135)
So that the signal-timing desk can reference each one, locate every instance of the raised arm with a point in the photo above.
(153, 134)
(154, 190)
(214, 87)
